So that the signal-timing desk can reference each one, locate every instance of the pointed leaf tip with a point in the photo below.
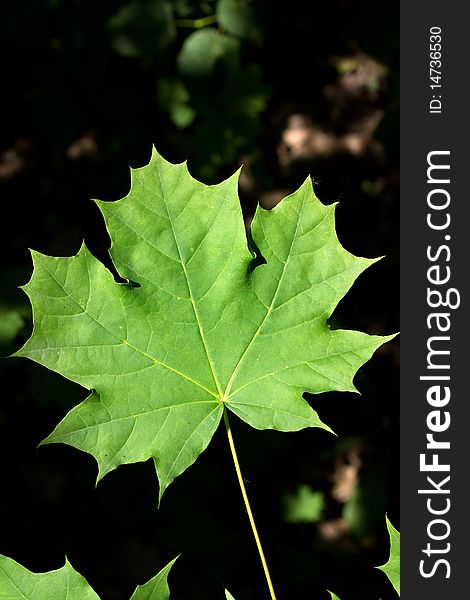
(157, 587)
(392, 567)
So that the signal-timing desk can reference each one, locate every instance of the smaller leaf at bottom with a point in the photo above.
(392, 567)
(18, 583)
(157, 588)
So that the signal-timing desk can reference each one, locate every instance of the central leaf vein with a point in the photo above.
(190, 291)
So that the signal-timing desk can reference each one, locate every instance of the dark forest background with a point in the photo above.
(288, 90)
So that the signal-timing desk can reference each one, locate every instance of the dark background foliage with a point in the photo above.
(289, 90)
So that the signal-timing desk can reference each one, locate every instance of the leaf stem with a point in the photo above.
(196, 23)
(247, 505)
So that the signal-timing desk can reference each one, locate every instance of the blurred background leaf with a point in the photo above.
(236, 16)
(200, 52)
(303, 506)
(142, 27)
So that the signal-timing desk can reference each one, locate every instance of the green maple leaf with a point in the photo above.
(204, 332)
(333, 596)
(392, 567)
(18, 583)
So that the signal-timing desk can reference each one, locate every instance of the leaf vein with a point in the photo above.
(307, 363)
(237, 366)
(134, 416)
(190, 291)
(126, 342)
(186, 442)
